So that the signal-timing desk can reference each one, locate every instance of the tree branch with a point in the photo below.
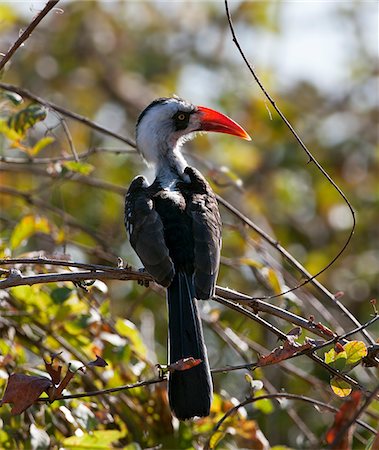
(27, 32)
(319, 167)
(65, 112)
(285, 395)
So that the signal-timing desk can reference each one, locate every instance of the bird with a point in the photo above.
(174, 226)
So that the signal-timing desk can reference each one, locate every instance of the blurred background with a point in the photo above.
(107, 60)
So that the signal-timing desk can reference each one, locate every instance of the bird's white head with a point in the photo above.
(167, 123)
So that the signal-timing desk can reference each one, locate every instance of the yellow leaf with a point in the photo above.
(355, 351)
(28, 226)
(41, 144)
(340, 387)
(8, 132)
(80, 167)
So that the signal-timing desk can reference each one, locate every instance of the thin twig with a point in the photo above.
(65, 112)
(281, 395)
(319, 167)
(27, 32)
(304, 147)
(70, 141)
(106, 391)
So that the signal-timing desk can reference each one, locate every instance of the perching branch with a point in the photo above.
(27, 32)
(293, 261)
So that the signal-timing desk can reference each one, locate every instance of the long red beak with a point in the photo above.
(212, 120)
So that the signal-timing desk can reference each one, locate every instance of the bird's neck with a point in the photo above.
(169, 165)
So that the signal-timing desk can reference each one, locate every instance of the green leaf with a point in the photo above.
(336, 360)
(99, 439)
(79, 167)
(26, 118)
(41, 144)
(60, 295)
(28, 226)
(127, 329)
(265, 405)
(340, 387)
(355, 351)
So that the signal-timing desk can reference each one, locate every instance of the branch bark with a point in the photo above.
(27, 32)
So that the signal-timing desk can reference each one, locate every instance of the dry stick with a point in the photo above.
(279, 396)
(27, 94)
(319, 167)
(27, 32)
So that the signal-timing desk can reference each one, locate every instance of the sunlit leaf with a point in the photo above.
(336, 360)
(355, 351)
(265, 405)
(129, 330)
(27, 227)
(274, 281)
(41, 144)
(98, 439)
(79, 167)
(340, 387)
(8, 132)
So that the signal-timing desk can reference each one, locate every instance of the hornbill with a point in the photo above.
(174, 226)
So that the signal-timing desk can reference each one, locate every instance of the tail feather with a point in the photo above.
(190, 391)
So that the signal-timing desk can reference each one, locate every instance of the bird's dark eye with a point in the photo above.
(181, 120)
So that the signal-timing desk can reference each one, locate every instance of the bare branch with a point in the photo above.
(27, 32)
(65, 112)
(281, 395)
(319, 167)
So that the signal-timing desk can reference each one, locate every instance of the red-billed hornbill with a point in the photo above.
(174, 226)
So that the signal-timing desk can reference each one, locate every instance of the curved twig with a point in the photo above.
(307, 151)
(285, 395)
(319, 167)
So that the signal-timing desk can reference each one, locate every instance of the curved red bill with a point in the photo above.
(212, 120)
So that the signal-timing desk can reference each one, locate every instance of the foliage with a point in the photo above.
(61, 194)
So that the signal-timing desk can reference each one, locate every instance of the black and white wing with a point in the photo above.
(206, 225)
(146, 234)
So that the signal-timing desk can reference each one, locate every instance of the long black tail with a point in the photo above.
(189, 391)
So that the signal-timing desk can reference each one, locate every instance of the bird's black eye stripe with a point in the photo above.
(181, 119)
